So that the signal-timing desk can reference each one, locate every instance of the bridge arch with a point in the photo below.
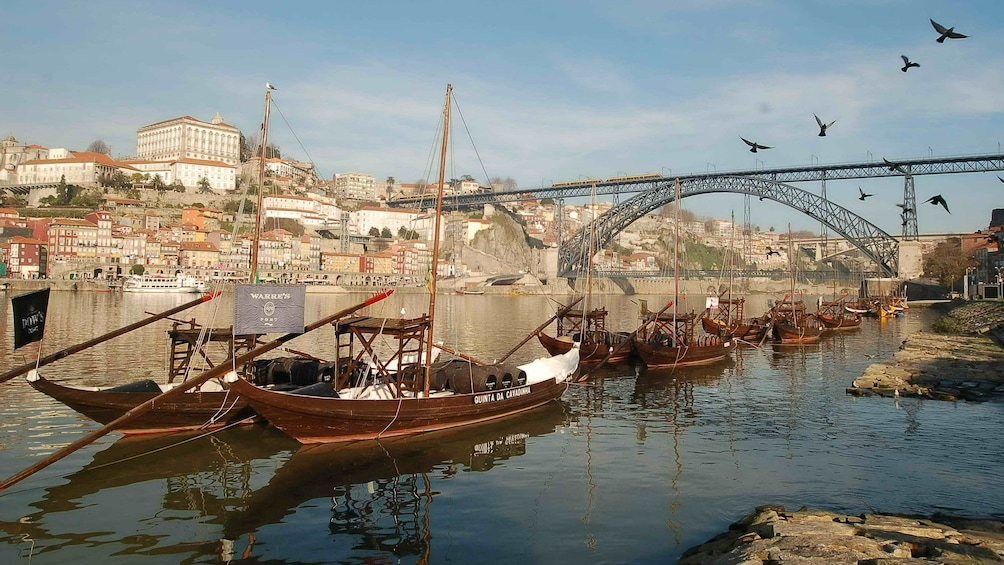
(876, 244)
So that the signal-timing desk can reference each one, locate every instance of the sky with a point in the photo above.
(547, 91)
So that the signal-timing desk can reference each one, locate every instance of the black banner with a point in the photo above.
(29, 316)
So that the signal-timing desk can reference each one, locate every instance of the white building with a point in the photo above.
(356, 186)
(12, 154)
(394, 219)
(189, 138)
(190, 172)
(78, 167)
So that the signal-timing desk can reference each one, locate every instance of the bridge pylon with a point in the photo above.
(909, 208)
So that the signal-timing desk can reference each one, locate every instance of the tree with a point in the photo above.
(120, 180)
(99, 146)
(385, 233)
(204, 186)
(406, 234)
(247, 147)
(176, 186)
(374, 232)
(137, 269)
(157, 182)
(136, 178)
(946, 262)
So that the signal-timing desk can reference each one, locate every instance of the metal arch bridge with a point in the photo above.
(907, 168)
(876, 244)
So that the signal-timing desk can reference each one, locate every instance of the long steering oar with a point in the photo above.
(541, 327)
(103, 338)
(627, 341)
(181, 388)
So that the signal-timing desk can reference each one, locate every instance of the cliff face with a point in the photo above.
(502, 248)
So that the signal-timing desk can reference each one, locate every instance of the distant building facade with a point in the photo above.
(189, 138)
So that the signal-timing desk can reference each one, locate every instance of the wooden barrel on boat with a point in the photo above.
(487, 378)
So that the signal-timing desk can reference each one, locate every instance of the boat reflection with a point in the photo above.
(202, 477)
(381, 493)
(244, 480)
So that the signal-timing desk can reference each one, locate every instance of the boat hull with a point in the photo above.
(751, 332)
(311, 420)
(589, 353)
(839, 323)
(662, 357)
(192, 411)
(786, 332)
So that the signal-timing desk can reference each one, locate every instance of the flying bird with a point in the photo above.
(823, 126)
(269, 86)
(772, 252)
(937, 199)
(753, 145)
(863, 195)
(905, 208)
(892, 166)
(907, 63)
(946, 33)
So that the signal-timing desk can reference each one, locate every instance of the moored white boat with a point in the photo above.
(154, 283)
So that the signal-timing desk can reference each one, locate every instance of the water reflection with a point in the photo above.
(381, 494)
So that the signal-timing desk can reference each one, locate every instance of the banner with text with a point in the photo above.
(262, 309)
(29, 316)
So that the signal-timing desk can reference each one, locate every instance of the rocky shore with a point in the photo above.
(960, 358)
(771, 535)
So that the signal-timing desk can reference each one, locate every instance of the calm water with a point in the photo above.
(633, 468)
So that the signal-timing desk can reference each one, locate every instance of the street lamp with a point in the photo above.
(709, 167)
(664, 169)
(999, 282)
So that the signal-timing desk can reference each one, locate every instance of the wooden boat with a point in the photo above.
(368, 401)
(835, 316)
(791, 323)
(859, 307)
(668, 340)
(728, 319)
(596, 343)
(209, 407)
(382, 387)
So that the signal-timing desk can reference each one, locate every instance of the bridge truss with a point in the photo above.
(876, 244)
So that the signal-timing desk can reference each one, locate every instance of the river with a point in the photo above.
(634, 467)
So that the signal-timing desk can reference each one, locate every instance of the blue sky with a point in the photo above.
(549, 90)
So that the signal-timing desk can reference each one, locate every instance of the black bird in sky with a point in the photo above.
(772, 252)
(863, 195)
(937, 199)
(905, 208)
(892, 166)
(823, 126)
(946, 33)
(907, 63)
(999, 178)
(753, 145)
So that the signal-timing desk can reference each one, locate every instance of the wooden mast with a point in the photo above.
(255, 240)
(435, 245)
(676, 252)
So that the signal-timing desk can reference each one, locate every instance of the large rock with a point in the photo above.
(808, 536)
